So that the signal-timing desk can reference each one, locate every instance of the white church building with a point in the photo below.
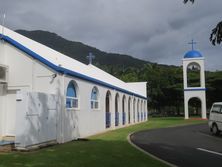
(46, 96)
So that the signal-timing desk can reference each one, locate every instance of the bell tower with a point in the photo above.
(194, 61)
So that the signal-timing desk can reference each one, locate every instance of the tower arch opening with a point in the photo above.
(194, 107)
(193, 75)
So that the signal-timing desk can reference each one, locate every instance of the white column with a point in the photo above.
(146, 110)
(136, 111)
(203, 106)
(120, 109)
(186, 112)
(184, 74)
(131, 111)
(202, 74)
(126, 110)
(112, 109)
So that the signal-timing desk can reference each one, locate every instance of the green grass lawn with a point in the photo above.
(110, 149)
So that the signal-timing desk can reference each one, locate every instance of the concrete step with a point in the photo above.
(6, 146)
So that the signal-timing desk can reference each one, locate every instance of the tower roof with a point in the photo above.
(193, 54)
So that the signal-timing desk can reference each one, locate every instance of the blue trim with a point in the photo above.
(124, 118)
(116, 118)
(108, 119)
(197, 89)
(31, 53)
(64, 70)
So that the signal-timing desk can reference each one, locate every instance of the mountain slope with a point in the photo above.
(79, 51)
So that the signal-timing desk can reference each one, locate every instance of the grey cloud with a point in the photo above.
(148, 29)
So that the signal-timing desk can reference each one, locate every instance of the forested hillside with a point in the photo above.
(79, 51)
(165, 83)
(165, 86)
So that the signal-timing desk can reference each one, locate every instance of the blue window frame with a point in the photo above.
(94, 98)
(71, 96)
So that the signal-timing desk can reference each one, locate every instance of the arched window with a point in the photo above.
(94, 98)
(71, 96)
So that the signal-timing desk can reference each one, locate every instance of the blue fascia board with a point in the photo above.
(30, 53)
(196, 89)
(64, 70)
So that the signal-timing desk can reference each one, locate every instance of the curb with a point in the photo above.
(147, 153)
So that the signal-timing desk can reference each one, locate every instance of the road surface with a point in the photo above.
(185, 146)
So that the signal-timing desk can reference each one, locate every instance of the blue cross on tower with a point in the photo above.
(90, 57)
(192, 43)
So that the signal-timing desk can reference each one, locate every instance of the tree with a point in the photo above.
(185, 1)
(216, 34)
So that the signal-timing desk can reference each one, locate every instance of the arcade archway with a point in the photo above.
(108, 109)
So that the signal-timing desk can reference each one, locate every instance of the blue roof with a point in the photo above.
(193, 54)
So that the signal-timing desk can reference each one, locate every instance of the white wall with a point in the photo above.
(3, 101)
(84, 121)
(29, 75)
(35, 119)
(19, 77)
(20, 68)
(139, 86)
(24, 74)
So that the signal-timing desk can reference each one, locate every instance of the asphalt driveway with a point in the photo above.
(186, 146)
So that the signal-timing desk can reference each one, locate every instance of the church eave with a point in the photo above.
(64, 70)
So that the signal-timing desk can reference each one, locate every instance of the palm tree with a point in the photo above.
(185, 1)
(216, 34)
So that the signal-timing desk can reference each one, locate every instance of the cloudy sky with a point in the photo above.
(154, 30)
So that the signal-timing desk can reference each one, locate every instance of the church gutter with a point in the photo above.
(64, 70)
